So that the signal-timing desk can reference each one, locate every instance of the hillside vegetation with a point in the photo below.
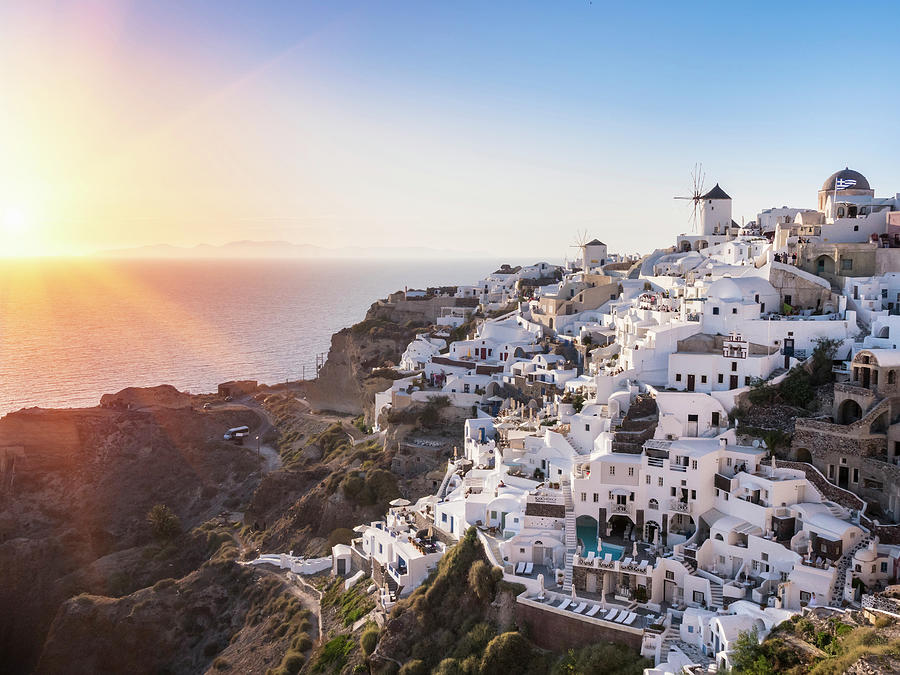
(461, 622)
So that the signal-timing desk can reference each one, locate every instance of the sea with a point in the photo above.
(74, 329)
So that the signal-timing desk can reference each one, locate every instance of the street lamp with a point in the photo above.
(257, 448)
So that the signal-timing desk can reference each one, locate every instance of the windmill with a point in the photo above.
(581, 237)
(697, 178)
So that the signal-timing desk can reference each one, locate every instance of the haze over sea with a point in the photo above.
(72, 330)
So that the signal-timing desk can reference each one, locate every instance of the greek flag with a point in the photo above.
(844, 183)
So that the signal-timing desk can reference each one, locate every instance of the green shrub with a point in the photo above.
(506, 653)
(164, 524)
(301, 642)
(334, 653)
(292, 661)
(369, 640)
(414, 667)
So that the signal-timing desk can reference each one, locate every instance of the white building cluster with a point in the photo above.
(603, 469)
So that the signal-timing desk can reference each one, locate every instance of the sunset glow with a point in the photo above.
(128, 124)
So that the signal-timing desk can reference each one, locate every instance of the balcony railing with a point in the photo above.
(680, 507)
(620, 508)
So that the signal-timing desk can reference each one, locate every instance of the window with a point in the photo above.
(728, 461)
(693, 494)
(660, 481)
(521, 550)
(831, 472)
(670, 575)
(715, 310)
(703, 379)
(884, 568)
(630, 470)
(746, 380)
(690, 629)
(846, 263)
(443, 517)
(856, 228)
(587, 427)
(733, 366)
(584, 496)
(734, 310)
(694, 464)
(715, 417)
(721, 378)
(596, 497)
(612, 471)
(674, 492)
(699, 596)
(678, 377)
(855, 475)
(648, 479)
(765, 556)
(653, 505)
(805, 596)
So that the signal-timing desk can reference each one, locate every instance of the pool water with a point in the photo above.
(588, 536)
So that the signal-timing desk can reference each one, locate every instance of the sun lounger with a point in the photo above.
(590, 556)
(592, 611)
(630, 619)
(580, 608)
(520, 568)
(608, 558)
(624, 615)
(611, 615)
(565, 603)
(627, 561)
(529, 568)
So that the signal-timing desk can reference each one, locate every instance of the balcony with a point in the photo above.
(679, 506)
(620, 508)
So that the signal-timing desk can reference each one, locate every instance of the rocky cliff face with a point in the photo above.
(345, 382)
(74, 503)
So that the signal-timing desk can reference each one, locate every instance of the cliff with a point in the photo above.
(345, 382)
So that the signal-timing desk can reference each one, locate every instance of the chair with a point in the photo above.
(590, 557)
(520, 568)
(565, 603)
(624, 615)
(630, 619)
(608, 558)
(627, 561)
(580, 608)
(529, 568)
(592, 611)
(611, 615)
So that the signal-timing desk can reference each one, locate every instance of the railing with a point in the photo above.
(680, 507)
(678, 467)
(620, 508)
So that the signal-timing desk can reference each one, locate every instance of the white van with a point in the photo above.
(237, 432)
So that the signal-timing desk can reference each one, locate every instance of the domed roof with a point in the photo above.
(849, 180)
(725, 289)
(865, 555)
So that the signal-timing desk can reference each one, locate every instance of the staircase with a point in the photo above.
(638, 425)
(442, 490)
(716, 592)
(837, 510)
(843, 566)
(571, 535)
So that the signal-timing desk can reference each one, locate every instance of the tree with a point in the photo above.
(480, 581)
(164, 524)
(506, 653)
(748, 657)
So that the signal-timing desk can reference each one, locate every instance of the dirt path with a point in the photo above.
(308, 596)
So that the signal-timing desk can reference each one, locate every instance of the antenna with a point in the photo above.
(697, 180)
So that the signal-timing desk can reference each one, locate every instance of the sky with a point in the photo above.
(465, 127)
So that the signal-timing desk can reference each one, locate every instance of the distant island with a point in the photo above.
(284, 249)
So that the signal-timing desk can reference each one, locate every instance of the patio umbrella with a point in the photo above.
(634, 550)
(602, 600)
(573, 593)
(360, 528)
(399, 502)
(541, 582)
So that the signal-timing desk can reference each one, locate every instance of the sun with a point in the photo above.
(14, 221)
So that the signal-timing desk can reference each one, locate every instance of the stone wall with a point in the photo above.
(560, 630)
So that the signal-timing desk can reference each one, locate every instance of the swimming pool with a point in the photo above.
(588, 536)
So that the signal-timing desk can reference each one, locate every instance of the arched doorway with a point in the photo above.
(652, 530)
(803, 455)
(849, 412)
(824, 265)
(620, 527)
